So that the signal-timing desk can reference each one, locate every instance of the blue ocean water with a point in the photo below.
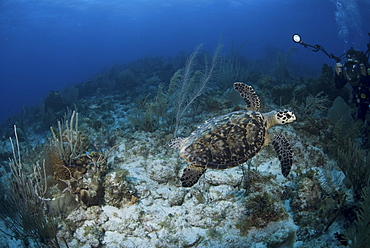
(49, 44)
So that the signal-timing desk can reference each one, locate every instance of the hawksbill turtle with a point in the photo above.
(232, 139)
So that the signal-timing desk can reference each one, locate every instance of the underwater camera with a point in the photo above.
(352, 68)
(351, 71)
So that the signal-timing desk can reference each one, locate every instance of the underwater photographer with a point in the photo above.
(355, 71)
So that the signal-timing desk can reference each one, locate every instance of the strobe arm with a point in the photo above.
(315, 48)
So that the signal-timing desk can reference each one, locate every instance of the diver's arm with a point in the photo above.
(363, 70)
(339, 79)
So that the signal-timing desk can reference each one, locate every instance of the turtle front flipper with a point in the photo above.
(191, 174)
(249, 95)
(284, 152)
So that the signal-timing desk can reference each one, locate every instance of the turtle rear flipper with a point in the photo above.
(191, 175)
(249, 95)
(284, 152)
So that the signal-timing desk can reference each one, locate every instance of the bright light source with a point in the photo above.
(296, 38)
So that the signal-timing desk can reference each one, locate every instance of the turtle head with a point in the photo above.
(284, 116)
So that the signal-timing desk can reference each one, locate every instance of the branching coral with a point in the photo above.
(81, 171)
(149, 114)
(187, 84)
(67, 140)
(312, 104)
(24, 201)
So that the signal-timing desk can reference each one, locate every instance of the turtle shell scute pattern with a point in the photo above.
(226, 141)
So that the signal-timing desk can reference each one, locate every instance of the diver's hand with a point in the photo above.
(338, 68)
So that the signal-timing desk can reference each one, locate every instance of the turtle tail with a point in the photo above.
(284, 152)
(175, 143)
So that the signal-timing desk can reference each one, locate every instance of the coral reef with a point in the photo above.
(96, 196)
(81, 172)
